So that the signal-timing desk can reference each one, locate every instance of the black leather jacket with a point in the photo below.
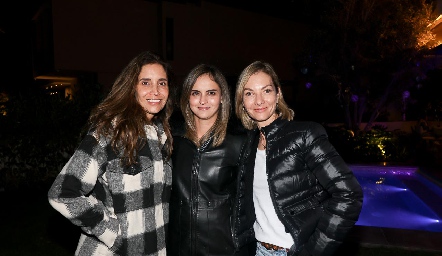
(203, 189)
(314, 193)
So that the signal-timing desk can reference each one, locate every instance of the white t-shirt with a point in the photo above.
(268, 228)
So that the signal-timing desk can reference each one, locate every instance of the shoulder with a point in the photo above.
(301, 132)
(93, 139)
(233, 143)
(306, 127)
(178, 130)
(236, 138)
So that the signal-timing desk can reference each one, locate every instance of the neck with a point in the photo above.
(262, 141)
(273, 118)
(202, 126)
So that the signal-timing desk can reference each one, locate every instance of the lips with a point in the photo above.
(260, 109)
(154, 100)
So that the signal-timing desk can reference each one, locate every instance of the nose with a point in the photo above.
(203, 99)
(154, 90)
(259, 100)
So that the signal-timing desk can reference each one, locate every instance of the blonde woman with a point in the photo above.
(297, 196)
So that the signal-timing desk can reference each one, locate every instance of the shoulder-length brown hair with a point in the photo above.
(121, 117)
(219, 128)
(282, 109)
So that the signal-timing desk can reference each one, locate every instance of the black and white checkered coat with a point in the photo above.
(122, 211)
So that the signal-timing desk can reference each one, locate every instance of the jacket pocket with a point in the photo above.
(304, 216)
(303, 205)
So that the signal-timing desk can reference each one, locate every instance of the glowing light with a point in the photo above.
(308, 85)
(381, 147)
(354, 98)
(380, 181)
(406, 94)
(388, 202)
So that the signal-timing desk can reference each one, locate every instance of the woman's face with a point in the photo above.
(152, 89)
(205, 99)
(260, 98)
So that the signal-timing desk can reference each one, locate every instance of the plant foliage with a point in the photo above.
(39, 133)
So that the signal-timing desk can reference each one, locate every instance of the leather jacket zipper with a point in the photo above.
(194, 204)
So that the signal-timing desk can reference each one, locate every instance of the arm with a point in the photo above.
(342, 210)
(74, 191)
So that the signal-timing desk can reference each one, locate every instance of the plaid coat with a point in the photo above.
(121, 211)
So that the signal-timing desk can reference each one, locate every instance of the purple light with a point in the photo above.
(308, 85)
(354, 98)
(393, 198)
(405, 94)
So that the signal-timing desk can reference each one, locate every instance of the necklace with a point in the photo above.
(262, 140)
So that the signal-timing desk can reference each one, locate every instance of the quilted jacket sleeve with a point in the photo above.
(342, 210)
(74, 191)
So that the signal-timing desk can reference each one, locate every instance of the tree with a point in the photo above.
(372, 50)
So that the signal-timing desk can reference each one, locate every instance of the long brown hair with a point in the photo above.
(282, 109)
(219, 128)
(121, 117)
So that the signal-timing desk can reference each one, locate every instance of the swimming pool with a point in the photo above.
(399, 197)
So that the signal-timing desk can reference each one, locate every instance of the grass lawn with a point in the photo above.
(31, 227)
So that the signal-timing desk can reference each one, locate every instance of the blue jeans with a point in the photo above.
(262, 251)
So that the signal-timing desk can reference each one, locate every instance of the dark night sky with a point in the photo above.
(15, 25)
(15, 30)
(16, 16)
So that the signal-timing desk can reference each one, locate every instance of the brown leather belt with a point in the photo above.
(273, 247)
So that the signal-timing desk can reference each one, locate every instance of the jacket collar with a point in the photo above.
(272, 127)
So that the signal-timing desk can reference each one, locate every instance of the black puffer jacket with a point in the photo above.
(203, 189)
(315, 194)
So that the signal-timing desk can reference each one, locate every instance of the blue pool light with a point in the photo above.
(398, 198)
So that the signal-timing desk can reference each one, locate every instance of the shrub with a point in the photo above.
(39, 133)
(376, 145)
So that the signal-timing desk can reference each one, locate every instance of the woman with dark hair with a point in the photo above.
(296, 194)
(116, 186)
(205, 165)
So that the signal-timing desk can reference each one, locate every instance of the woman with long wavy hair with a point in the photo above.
(116, 186)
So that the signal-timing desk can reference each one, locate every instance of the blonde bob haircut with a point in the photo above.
(282, 109)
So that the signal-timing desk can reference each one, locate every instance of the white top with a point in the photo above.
(268, 228)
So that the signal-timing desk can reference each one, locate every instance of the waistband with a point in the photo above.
(273, 247)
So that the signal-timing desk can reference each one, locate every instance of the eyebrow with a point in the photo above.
(211, 90)
(262, 88)
(149, 79)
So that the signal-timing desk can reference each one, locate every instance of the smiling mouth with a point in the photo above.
(154, 100)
